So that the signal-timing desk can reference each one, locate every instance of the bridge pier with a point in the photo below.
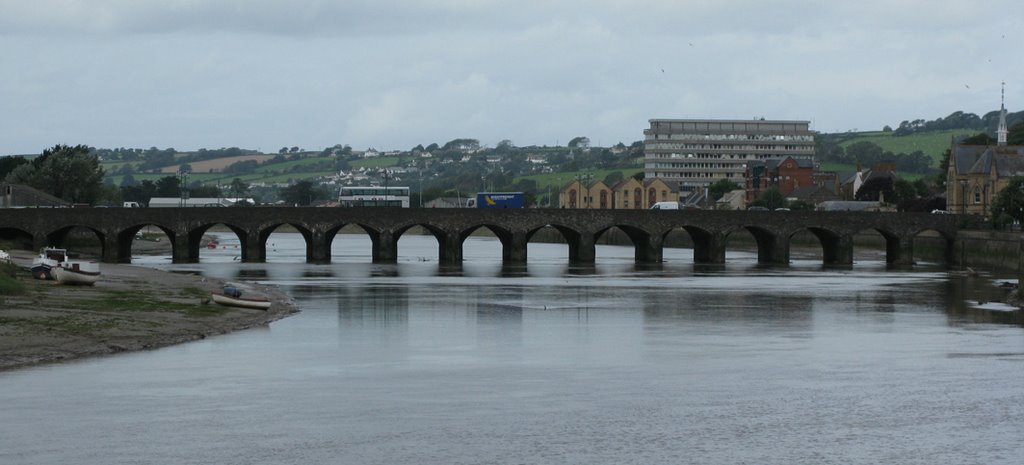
(776, 252)
(112, 249)
(514, 250)
(899, 250)
(450, 248)
(385, 247)
(180, 252)
(708, 248)
(318, 249)
(649, 249)
(253, 250)
(838, 250)
(582, 249)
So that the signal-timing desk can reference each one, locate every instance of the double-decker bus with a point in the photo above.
(374, 196)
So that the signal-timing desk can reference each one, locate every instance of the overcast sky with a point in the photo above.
(390, 74)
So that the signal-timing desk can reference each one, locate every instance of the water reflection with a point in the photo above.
(376, 305)
(615, 268)
(252, 273)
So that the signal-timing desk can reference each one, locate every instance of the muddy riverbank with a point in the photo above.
(130, 308)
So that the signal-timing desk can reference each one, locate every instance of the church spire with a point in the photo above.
(1001, 132)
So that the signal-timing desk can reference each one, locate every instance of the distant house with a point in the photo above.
(536, 159)
(21, 196)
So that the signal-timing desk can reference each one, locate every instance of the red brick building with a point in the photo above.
(787, 174)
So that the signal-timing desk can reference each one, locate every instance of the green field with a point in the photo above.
(376, 162)
(933, 144)
(288, 165)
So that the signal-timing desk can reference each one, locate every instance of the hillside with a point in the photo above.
(933, 144)
(916, 147)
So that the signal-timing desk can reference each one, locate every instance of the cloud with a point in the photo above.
(212, 73)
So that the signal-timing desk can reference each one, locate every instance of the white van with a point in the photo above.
(665, 206)
(131, 205)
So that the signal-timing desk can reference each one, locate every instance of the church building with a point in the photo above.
(977, 173)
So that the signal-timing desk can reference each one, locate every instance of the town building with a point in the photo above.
(628, 194)
(692, 154)
(977, 173)
(578, 194)
(787, 174)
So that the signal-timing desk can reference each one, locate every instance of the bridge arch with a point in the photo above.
(126, 239)
(509, 248)
(19, 237)
(708, 245)
(936, 239)
(647, 247)
(772, 247)
(332, 232)
(898, 249)
(58, 237)
(836, 247)
(581, 247)
(258, 243)
(193, 240)
(448, 246)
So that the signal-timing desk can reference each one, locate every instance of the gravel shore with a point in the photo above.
(130, 308)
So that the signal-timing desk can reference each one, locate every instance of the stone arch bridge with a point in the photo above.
(116, 228)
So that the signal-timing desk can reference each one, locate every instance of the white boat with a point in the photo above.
(86, 273)
(261, 303)
(49, 258)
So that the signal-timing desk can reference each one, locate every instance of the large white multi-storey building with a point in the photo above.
(695, 153)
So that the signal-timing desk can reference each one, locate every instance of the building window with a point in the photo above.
(977, 197)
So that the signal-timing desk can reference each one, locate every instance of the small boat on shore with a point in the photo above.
(85, 273)
(49, 258)
(232, 297)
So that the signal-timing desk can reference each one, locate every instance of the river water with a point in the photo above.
(412, 363)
